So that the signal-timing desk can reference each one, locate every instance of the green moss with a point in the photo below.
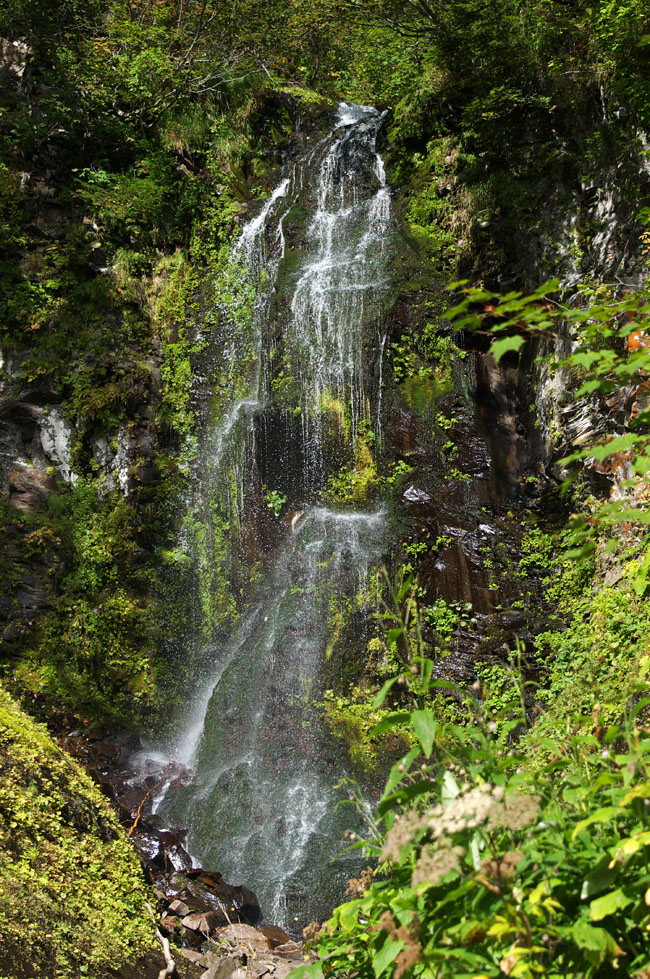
(351, 719)
(72, 896)
(356, 484)
(94, 648)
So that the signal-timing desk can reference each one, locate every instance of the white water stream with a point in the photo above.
(260, 807)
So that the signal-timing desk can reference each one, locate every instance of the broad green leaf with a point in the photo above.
(475, 850)
(405, 587)
(501, 927)
(386, 954)
(608, 904)
(641, 791)
(538, 893)
(602, 815)
(450, 789)
(593, 939)
(601, 877)
(619, 444)
(576, 553)
(399, 770)
(500, 348)
(405, 794)
(644, 702)
(381, 696)
(424, 725)
(393, 719)
(443, 685)
(313, 971)
(633, 843)
(348, 914)
(585, 358)
(426, 671)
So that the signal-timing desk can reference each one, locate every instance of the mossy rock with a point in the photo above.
(72, 894)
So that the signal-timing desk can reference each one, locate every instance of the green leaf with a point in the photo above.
(386, 954)
(500, 348)
(608, 904)
(348, 914)
(619, 444)
(424, 725)
(450, 788)
(577, 553)
(599, 879)
(313, 971)
(381, 696)
(475, 851)
(399, 770)
(602, 815)
(393, 719)
(640, 791)
(405, 795)
(592, 939)
(644, 702)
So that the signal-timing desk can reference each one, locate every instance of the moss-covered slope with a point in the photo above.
(72, 896)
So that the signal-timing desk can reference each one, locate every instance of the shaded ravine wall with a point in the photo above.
(494, 437)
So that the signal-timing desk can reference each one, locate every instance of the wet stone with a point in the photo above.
(413, 495)
(205, 923)
(245, 936)
(178, 907)
(275, 936)
(228, 967)
(191, 955)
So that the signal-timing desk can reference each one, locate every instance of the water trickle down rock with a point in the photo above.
(55, 435)
(340, 290)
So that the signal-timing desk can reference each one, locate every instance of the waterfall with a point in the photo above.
(261, 805)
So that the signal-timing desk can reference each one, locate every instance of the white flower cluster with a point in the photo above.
(434, 863)
(469, 810)
(484, 805)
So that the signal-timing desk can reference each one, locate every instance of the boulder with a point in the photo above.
(275, 936)
(203, 923)
(192, 955)
(204, 890)
(245, 936)
(179, 907)
(228, 967)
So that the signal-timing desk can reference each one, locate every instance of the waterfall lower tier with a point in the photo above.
(261, 806)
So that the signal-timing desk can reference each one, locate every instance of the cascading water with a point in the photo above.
(261, 807)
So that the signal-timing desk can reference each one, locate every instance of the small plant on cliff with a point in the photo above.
(275, 501)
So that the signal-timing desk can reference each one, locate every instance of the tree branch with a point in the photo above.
(170, 968)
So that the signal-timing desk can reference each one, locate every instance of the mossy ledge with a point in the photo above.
(72, 893)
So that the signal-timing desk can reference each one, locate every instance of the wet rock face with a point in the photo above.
(210, 924)
(184, 891)
(474, 456)
(211, 901)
